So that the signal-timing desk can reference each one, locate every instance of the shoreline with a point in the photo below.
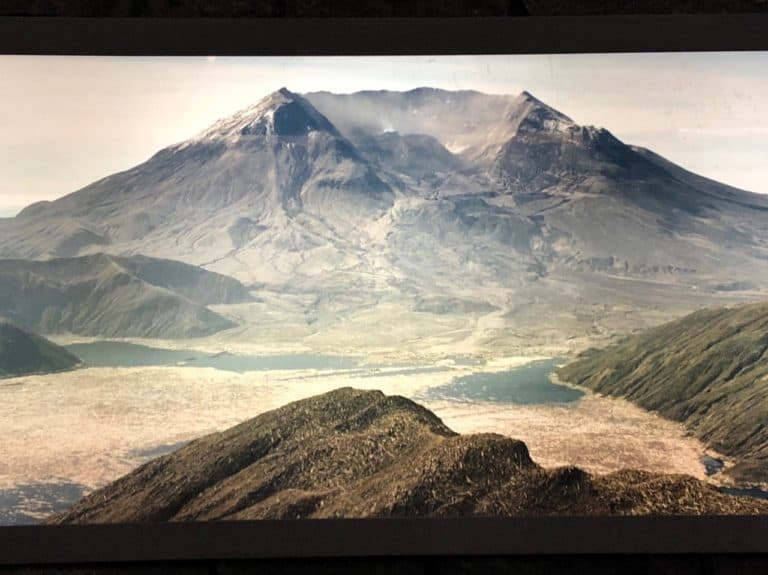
(717, 478)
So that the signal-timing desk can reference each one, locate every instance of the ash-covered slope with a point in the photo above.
(417, 156)
(562, 227)
(278, 167)
(598, 205)
(112, 296)
(24, 353)
(351, 453)
(708, 370)
(274, 196)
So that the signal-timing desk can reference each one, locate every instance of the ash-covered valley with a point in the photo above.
(430, 235)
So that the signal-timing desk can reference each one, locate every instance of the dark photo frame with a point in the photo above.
(382, 537)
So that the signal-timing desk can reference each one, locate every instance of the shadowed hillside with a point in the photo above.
(113, 296)
(350, 453)
(24, 353)
(707, 370)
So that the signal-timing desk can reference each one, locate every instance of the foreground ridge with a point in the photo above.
(353, 453)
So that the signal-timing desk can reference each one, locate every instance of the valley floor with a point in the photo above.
(84, 428)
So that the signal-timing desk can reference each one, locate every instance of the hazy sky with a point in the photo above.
(67, 121)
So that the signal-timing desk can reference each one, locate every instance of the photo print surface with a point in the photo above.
(309, 287)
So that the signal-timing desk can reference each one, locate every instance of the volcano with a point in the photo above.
(462, 218)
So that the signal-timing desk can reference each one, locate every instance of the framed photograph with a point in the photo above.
(354, 287)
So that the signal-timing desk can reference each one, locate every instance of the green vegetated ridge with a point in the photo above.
(24, 353)
(707, 370)
(354, 453)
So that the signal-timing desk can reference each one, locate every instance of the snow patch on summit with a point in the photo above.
(282, 113)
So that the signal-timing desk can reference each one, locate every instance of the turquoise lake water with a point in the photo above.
(119, 354)
(526, 385)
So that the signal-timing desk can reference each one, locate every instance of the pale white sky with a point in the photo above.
(67, 121)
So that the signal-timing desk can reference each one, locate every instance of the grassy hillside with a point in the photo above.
(708, 370)
(23, 353)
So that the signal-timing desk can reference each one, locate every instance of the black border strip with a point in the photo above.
(313, 538)
(382, 537)
(390, 36)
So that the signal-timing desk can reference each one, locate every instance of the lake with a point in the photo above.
(120, 354)
(527, 384)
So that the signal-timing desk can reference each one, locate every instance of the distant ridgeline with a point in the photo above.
(708, 370)
(353, 453)
(24, 353)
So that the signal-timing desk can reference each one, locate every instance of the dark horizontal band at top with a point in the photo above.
(386, 36)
